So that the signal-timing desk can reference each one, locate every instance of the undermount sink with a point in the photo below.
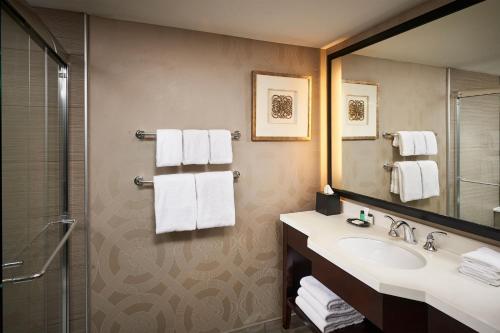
(383, 253)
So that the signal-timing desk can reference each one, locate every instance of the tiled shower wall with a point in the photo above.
(68, 28)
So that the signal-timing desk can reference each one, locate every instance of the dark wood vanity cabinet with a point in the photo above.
(384, 313)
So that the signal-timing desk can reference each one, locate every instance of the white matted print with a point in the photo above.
(281, 107)
(359, 110)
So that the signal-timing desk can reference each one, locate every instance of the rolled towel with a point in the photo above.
(221, 151)
(346, 311)
(430, 142)
(327, 298)
(168, 147)
(320, 323)
(485, 257)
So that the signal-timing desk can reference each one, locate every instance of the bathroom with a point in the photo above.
(350, 153)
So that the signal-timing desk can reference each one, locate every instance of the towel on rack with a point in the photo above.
(221, 151)
(404, 140)
(195, 146)
(430, 178)
(215, 194)
(175, 202)
(168, 147)
(419, 143)
(395, 178)
(410, 181)
(430, 142)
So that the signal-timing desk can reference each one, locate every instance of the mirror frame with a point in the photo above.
(446, 221)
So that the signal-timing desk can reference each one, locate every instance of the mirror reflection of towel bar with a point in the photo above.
(141, 135)
(139, 180)
(389, 166)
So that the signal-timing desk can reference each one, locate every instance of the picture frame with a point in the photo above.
(360, 110)
(281, 106)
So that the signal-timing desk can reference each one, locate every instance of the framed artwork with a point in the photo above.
(281, 107)
(359, 110)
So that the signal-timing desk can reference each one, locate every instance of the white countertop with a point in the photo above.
(438, 283)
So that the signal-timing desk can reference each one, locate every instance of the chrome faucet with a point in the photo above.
(429, 244)
(392, 231)
(409, 237)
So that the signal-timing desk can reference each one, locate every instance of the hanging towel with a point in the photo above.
(321, 323)
(346, 311)
(195, 146)
(327, 298)
(395, 178)
(215, 194)
(221, 151)
(410, 181)
(430, 178)
(175, 202)
(168, 147)
(419, 143)
(430, 143)
(404, 140)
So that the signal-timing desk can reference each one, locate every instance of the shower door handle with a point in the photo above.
(40, 273)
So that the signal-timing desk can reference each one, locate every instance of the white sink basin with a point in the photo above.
(382, 253)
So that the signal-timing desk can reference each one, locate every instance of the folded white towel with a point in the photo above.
(215, 194)
(168, 147)
(419, 143)
(221, 151)
(484, 256)
(478, 276)
(175, 202)
(481, 269)
(195, 147)
(404, 140)
(345, 312)
(395, 178)
(322, 324)
(327, 298)
(430, 178)
(410, 181)
(430, 142)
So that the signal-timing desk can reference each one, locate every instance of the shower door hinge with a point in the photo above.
(63, 75)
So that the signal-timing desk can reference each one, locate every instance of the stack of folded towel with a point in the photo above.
(482, 264)
(323, 307)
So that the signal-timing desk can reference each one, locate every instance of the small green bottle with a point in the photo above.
(362, 215)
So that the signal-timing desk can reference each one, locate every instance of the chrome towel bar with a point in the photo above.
(139, 180)
(389, 135)
(389, 166)
(141, 135)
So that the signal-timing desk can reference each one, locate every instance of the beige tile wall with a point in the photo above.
(149, 77)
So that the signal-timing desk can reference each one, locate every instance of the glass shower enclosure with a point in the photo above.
(477, 158)
(35, 223)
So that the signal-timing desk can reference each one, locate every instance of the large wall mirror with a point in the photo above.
(429, 96)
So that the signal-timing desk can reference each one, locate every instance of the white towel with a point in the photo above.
(478, 276)
(175, 202)
(430, 178)
(195, 147)
(481, 269)
(430, 143)
(419, 143)
(320, 323)
(215, 194)
(404, 140)
(221, 151)
(168, 147)
(410, 181)
(484, 256)
(395, 178)
(327, 298)
(345, 312)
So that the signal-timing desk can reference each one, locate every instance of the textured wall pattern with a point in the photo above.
(148, 77)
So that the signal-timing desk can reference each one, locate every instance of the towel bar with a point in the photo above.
(389, 166)
(139, 180)
(389, 135)
(141, 135)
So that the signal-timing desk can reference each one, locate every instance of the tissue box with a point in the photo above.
(328, 204)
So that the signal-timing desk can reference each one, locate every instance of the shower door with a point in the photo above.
(477, 156)
(35, 225)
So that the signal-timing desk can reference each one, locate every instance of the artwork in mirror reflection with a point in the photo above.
(438, 117)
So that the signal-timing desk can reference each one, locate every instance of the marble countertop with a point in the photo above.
(438, 283)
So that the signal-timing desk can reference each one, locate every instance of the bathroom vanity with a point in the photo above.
(423, 292)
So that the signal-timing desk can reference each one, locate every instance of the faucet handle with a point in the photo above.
(392, 231)
(429, 244)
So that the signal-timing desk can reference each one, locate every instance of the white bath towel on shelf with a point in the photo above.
(430, 178)
(327, 298)
(168, 147)
(404, 140)
(478, 276)
(322, 324)
(410, 181)
(480, 269)
(175, 202)
(196, 149)
(221, 151)
(419, 143)
(215, 195)
(430, 142)
(345, 312)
